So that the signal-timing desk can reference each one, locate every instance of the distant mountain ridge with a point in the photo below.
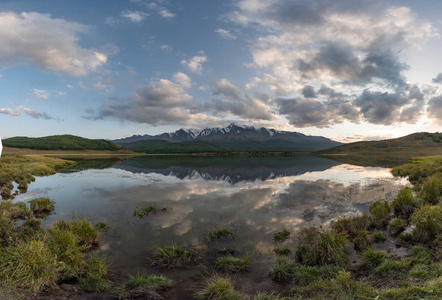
(232, 131)
(233, 138)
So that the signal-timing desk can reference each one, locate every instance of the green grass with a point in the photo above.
(221, 232)
(141, 212)
(267, 296)
(380, 214)
(371, 259)
(283, 270)
(428, 222)
(94, 277)
(396, 226)
(285, 250)
(102, 226)
(362, 240)
(391, 266)
(235, 264)
(281, 236)
(171, 256)
(42, 206)
(404, 203)
(303, 275)
(379, 237)
(322, 247)
(341, 287)
(85, 232)
(219, 288)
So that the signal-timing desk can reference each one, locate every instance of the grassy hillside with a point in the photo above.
(59, 142)
(162, 146)
(422, 143)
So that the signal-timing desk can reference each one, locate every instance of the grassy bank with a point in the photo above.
(21, 169)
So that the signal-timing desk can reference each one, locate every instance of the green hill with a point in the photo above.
(59, 142)
(388, 152)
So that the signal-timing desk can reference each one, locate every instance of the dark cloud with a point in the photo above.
(380, 108)
(341, 60)
(309, 92)
(434, 109)
(309, 112)
(438, 79)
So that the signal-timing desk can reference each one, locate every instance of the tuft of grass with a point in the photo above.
(431, 191)
(379, 237)
(235, 264)
(94, 278)
(6, 192)
(142, 282)
(321, 247)
(371, 259)
(221, 232)
(144, 211)
(391, 266)
(304, 275)
(281, 236)
(282, 250)
(428, 222)
(267, 296)
(102, 226)
(380, 214)
(42, 206)
(85, 232)
(219, 288)
(396, 226)
(171, 256)
(351, 226)
(283, 270)
(341, 287)
(362, 240)
(29, 265)
(404, 203)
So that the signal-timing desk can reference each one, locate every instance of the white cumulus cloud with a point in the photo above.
(195, 64)
(48, 42)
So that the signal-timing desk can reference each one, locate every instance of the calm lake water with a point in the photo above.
(255, 197)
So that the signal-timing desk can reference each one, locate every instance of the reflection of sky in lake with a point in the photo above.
(254, 208)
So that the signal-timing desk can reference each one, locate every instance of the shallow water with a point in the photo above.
(255, 197)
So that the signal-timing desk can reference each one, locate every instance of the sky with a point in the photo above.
(345, 69)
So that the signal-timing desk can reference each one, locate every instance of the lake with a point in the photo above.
(253, 196)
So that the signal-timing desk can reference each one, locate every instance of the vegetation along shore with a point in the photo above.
(392, 252)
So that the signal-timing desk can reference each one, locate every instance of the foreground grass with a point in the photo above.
(33, 259)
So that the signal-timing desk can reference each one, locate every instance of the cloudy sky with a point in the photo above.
(349, 70)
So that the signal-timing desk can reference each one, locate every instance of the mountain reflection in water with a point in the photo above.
(253, 196)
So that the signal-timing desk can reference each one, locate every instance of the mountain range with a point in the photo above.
(233, 138)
